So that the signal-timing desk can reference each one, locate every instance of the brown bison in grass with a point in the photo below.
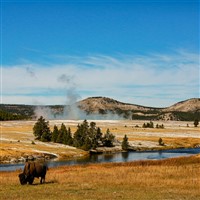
(32, 170)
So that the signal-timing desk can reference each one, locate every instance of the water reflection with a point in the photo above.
(125, 156)
(113, 157)
(109, 157)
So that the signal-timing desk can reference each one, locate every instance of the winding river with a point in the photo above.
(113, 157)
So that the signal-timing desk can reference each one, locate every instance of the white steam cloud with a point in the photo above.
(71, 109)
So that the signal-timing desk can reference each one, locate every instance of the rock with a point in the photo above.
(22, 159)
(47, 157)
(13, 160)
(31, 158)
(100, 150)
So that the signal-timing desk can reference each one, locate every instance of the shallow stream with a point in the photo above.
(113, 157)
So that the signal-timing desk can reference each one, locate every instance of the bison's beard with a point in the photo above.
(22, 179)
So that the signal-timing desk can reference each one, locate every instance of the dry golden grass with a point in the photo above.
(177, 178)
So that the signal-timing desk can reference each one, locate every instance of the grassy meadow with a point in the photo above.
(175, 178)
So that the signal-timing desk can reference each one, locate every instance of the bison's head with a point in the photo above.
(22, 179)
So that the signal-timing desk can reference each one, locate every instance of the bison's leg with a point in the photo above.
(30, 180)
(42, 180)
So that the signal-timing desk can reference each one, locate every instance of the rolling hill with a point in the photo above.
(187, 110)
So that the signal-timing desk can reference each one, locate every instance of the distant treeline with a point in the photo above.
(16, 112)
(186, 116)
(6, 116)
(21, 112)
(174, 115)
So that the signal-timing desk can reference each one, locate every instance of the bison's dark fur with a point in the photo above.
(32, 170)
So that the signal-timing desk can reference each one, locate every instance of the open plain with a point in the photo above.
(175, 178)
(17, 139)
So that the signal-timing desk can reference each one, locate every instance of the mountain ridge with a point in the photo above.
(179, 106)
(103, 106)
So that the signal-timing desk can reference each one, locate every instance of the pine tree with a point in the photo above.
(93, 136)
(64, 135)
(46, 137)
(108, 139)
(41, 130)
(196, 122)
(99, 135)
(61, 136)
(87, 137)
(82, 137)
(125, 143)
(69, 137)
(55, 133)
(79, 139)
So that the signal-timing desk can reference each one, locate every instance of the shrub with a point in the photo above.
(148, 125)
(160, 142)
(159, 126)
(196, 122)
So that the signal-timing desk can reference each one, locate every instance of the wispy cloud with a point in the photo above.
(152, 80)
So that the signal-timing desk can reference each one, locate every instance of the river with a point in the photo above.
(113, 157)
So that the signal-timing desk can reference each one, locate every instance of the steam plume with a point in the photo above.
(71, 109)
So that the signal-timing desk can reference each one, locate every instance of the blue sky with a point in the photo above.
(142, 52)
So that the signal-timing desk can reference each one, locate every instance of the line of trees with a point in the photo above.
(6, 116)
(86, 137)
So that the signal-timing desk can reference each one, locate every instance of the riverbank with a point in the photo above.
(175, 178)
(19, 152)
(21, 156)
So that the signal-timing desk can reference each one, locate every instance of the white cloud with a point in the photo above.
(134, 79)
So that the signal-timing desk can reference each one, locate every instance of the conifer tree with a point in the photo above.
(87, 136)
(196, 122)
(125, 143)
(78, 139)
(61, 135)
(99, 135)
(41, 130)
(108, 139)
(92, 140)
(55, 133)
(69, 137)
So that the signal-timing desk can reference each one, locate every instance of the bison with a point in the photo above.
(32, 170)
